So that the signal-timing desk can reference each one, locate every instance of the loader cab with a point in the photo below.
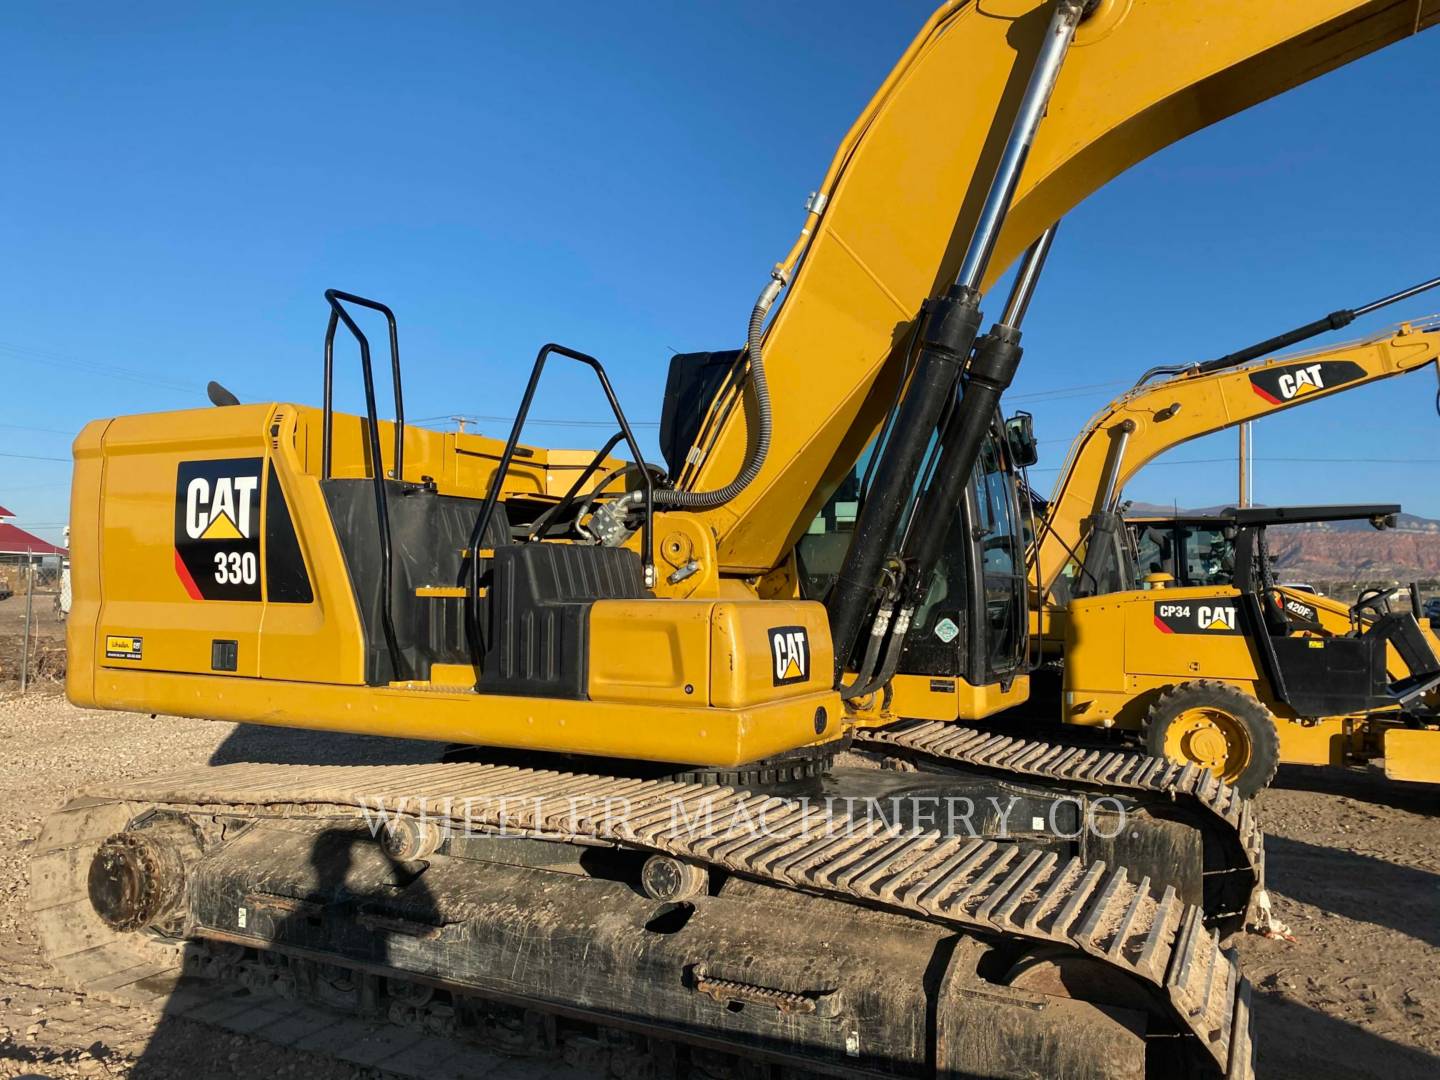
(1331, 675)
(973, 623)
(1230, 597)
(1192, 550)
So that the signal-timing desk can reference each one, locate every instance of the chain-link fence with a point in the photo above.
(34, 601)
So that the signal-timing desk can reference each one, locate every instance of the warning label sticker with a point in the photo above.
(123, 647)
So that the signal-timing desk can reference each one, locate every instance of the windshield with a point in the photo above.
(986, 535)
(1191, 554)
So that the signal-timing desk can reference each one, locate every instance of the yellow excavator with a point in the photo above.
(652, 858)
(1232, 711)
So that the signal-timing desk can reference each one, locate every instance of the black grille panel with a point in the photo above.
(540, 601)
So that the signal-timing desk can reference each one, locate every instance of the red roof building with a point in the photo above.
(16, 541)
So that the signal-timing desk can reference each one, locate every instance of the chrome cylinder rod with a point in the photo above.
(1027, 277)
(1058, 36)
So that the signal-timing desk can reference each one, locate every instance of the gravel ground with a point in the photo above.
(1354, 870)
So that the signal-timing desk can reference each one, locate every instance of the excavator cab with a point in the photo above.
(971, 626)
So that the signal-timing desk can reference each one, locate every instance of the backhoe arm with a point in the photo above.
(890, 222)
(1153, 418)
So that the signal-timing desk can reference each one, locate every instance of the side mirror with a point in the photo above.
(1020, 436)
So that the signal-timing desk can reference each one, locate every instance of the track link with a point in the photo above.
(1226, 815)
(972, 884)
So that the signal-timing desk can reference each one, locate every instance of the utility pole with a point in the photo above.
(29, 612)
(1245, 458)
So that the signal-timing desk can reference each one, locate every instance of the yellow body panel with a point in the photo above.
(669, 680)
(1324, 742)
(700, 736)
(651, 651)
(1413, 755)
(697, 652)
(742, 676)
(1117, 661)
(1116, 658)
(919, 697)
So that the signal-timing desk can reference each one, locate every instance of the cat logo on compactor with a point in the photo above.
(789, 654)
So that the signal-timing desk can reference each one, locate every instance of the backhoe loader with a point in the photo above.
(1198, 549)
(634, 859)
(1239, 675)
(1076, 537)
(1244, 720)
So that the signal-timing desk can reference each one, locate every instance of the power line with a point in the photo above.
(1288, 460)
(1055, 394)
(46, 430)
(34, 457)
(508, 420)
(1061, 392)
(108, 371)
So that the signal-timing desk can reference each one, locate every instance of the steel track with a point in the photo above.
(971, 884)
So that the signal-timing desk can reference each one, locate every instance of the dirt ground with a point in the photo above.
(46, 653)
(1354, 867)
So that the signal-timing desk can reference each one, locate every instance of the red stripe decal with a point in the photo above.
(1271, 398)
(183, 572)
(1160, 623)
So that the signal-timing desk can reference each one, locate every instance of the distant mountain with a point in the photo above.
(1347, 550)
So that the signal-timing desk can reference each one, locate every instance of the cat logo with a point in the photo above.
(1173, 617)
(1220, 618)
(1289, 382)
(789, 655)
(217, 528)
(1305, 380)
(224, 511)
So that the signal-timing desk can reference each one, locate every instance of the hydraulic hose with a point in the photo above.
(700, 500)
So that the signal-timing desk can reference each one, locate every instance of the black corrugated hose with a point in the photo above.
(720, 496)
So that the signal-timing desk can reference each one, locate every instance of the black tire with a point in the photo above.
(1180, 712)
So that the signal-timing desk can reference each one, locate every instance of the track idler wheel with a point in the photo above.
(137, 877)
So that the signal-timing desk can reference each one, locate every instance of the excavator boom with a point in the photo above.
(890, 222)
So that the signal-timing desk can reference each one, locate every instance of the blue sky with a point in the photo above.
(180, 183)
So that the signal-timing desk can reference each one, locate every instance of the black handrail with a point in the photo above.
(492, 496)
(333, 297)
(338, 314)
